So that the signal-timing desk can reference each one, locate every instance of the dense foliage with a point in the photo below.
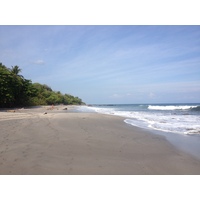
(16, 91)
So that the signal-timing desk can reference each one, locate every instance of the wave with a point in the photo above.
(171, 123)
(186, 107)
(164, 121)
(196, 108)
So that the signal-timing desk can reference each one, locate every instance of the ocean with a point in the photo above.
(179, 123)
(176, 118)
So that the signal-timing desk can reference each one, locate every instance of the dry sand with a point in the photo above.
(61, 142)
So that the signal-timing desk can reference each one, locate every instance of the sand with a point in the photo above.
(63, 142)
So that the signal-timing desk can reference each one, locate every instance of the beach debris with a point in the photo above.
(10, 110)
(64, 108)
(45, 113)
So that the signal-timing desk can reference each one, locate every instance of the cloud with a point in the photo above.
(39, 62)
(151, 95)
(116, 96)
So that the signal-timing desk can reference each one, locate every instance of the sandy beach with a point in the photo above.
(63, 142)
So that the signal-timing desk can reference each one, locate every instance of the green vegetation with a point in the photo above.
(17, 91)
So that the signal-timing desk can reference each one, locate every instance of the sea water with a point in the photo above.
(176, 118)
(179, 123)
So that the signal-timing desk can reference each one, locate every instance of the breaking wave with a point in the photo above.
(168, 107)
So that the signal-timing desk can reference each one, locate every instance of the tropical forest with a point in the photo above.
(17, 91)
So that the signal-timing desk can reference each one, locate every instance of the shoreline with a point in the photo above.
(187, 143)
(84, 143)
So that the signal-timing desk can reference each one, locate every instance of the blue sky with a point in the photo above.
(109, 64)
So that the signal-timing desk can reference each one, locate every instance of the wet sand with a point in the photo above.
(63, 142)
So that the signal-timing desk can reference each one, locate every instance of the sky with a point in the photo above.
(108, 64)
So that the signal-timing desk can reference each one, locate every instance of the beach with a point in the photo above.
(45, 141)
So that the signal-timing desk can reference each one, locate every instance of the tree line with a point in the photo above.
(16, 91)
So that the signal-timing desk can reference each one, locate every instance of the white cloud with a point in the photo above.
(115, 95)
(39, 62)
(151, 95)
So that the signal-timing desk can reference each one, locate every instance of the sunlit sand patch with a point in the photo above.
(12, 116)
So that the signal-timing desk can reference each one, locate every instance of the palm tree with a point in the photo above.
(17, 84)
(16, 70)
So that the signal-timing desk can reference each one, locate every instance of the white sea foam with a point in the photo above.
(167, 122)
(183, 124)
(170, 107)
(109, 111)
